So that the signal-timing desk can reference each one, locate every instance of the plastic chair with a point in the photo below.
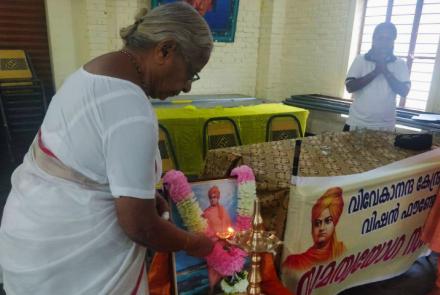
(167, 152)
(282, 127)
(220, 132)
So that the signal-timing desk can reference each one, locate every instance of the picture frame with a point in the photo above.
(221, 15)
(191, 274)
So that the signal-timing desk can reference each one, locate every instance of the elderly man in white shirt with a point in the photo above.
(374, 79)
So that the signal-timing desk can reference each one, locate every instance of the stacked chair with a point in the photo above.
(23, 102)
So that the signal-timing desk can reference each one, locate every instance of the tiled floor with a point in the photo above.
(418, 280)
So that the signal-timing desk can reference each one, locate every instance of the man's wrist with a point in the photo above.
(376, 71)
(186, 245)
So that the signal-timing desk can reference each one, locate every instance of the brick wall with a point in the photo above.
(315, 54)
(280, 47)
(270, 64)
(233, 66)
(60, 22)
(305, 46)
(104, 19)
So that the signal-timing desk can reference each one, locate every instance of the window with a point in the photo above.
(418, 35)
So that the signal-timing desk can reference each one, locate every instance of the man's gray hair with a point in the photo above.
(177, 21)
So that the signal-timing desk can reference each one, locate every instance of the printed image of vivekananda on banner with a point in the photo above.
(344, 231)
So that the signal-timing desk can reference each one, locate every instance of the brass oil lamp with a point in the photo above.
(255, 241)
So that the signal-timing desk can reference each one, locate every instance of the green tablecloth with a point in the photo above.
(185, 126)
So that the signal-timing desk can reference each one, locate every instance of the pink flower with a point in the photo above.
(226, 261)
(243, 173)
(243, 222)
(177, 185)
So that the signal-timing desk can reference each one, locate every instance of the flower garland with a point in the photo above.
(235, 284)
(225, 260)
(246, 196)
(186, 203)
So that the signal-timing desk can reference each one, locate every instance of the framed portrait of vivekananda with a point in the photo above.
(221, 15)
(216, 208)
(218, 201)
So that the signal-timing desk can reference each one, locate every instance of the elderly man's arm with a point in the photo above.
(141, 222)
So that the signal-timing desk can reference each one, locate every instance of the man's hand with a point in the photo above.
(162, 205)
(199, 245)
(354, 85)
(399, 87)
(381, 67)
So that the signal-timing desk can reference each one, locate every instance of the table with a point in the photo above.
(341, 106)
(185, 126)
(369, 168)
(207, 101)
(272, 165)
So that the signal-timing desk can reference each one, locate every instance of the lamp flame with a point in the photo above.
(227, 234)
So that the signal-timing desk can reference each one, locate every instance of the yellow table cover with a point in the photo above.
(185, 126)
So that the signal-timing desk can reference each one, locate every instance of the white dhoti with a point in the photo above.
(60, 235)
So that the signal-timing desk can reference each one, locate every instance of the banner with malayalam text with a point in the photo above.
(344, 231)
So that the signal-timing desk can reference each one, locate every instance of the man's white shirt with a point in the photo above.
(374, 106)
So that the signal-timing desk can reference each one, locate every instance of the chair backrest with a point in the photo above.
(167, 152)
(284, 126)
(14, 65)
(220, 132)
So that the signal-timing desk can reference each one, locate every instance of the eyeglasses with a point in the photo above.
(195, 77)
